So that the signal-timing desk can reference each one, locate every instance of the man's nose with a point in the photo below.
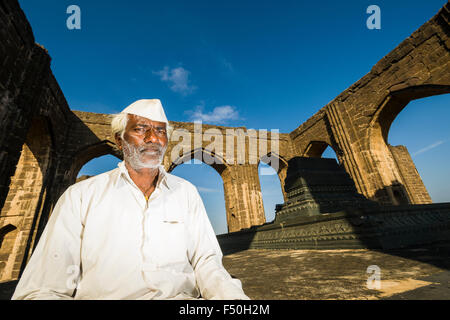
(150, 136)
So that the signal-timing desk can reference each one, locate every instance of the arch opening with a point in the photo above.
(97, 166)
(273, 163)
(398, 170)
(197, 156)
(320, 149)
(209, 183)
(271, 189)
(419, 142)
(93, 159)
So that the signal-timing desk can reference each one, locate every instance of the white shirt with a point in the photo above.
(124, 247)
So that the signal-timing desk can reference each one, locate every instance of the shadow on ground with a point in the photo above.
(416, 273)
(407, 274)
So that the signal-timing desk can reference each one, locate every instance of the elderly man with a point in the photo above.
(135, 232)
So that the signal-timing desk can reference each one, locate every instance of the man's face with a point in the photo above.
(144, 142)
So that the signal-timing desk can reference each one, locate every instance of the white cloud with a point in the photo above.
(177, 78)
(427, 148)
(219, 114)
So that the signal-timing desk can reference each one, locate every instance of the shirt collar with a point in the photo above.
(162, 176)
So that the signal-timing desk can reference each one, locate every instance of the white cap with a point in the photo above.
(148, 108)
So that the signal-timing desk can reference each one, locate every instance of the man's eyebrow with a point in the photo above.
(146, 125)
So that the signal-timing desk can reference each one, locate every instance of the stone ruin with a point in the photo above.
(44, 144)
(323, 210)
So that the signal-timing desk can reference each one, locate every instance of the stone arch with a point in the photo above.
(8, 234)
(242, 192)
(209, 184)
(4, 231)
(395, 102)
(280, 168)
(24, 203)
(399, 176)
(87, 153)
(279, 164)
(315, 149)
(219, 164)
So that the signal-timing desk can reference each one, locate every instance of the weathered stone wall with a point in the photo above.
(357, 122)
(316, 130)
(24, 197)
(414, 185)
(22, 63)
(33, 124)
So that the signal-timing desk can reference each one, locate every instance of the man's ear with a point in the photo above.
(118, 141)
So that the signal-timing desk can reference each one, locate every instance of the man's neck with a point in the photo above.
(145, 178)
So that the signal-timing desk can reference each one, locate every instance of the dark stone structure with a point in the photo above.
(324, 211)
(314, 186)
(390, 227)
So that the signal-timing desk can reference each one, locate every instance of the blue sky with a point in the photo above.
(259, 64)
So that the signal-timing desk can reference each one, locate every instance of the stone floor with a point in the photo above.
(418, 274)
(342, 274)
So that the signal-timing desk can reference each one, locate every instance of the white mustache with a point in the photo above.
(154, 149)
(133, 155)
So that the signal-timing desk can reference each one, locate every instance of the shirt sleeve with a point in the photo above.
(213, 280)
(54, 266)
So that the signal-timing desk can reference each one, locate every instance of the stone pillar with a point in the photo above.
(349, 156)
(372, 167)
(243, 198)
(414, 186)
(25, 199)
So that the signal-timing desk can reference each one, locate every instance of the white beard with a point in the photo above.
(134, 155)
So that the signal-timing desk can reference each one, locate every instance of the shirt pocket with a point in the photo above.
(169, 244)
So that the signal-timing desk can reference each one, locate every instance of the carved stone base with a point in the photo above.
(374, 228)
